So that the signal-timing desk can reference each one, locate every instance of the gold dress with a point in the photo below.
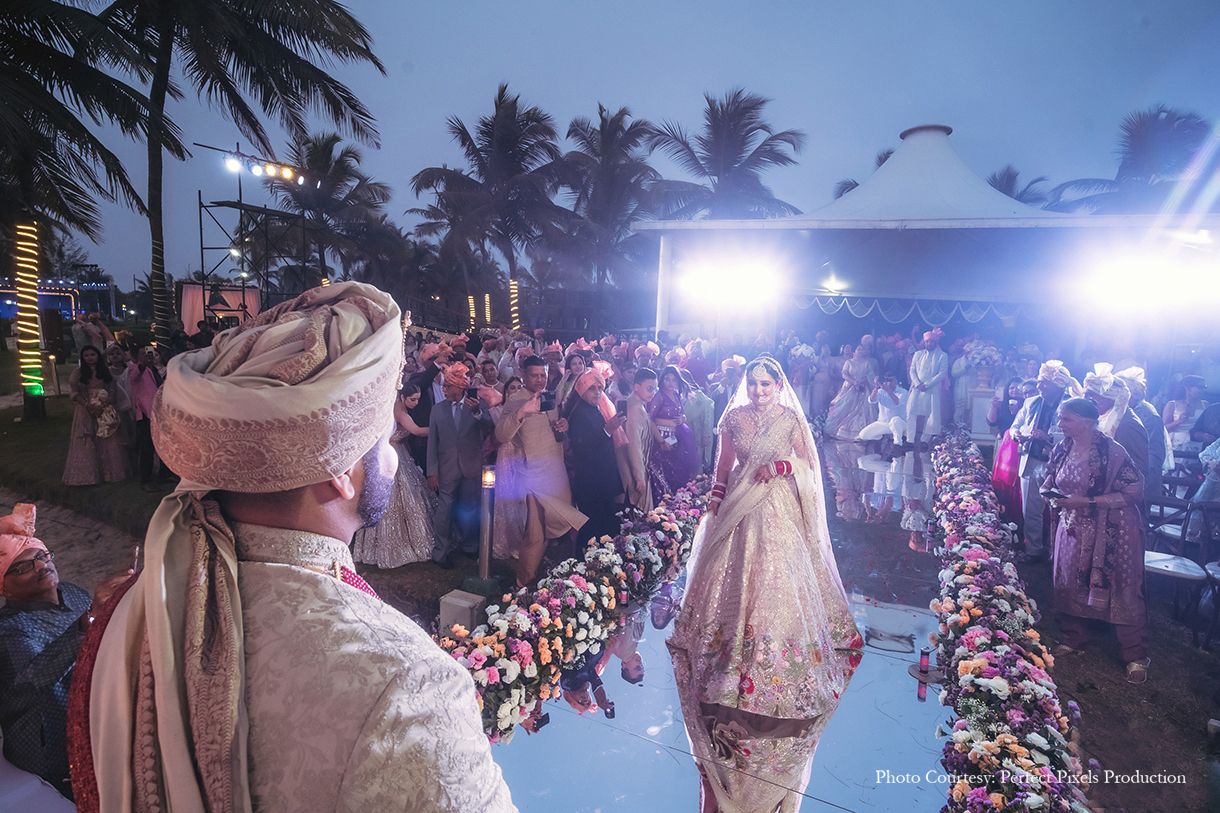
(405, 531)
(765, 643)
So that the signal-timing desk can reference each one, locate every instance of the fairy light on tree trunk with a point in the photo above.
(487, 309)
(474, 315)
(28, 334)
(514, 296)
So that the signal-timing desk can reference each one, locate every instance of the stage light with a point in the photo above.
(1148, 282)
(271, 169)
(256, 170)
(286, 172)
(300, 180)
(235, 252)
(232, 164)
(833, 284)
(728, 283)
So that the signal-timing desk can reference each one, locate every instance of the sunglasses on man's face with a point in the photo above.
(21, 568)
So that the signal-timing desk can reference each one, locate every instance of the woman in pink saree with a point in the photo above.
(765, 643)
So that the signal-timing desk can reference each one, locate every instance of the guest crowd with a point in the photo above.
(575, 433)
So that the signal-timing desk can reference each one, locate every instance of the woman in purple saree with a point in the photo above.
(674, 461)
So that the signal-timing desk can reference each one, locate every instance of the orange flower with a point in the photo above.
(459, 630)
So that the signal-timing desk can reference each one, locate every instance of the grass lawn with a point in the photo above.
(32, 464)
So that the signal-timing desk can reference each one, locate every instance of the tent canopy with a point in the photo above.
(923, 226)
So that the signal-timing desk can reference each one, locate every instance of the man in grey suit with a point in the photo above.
(456, 430)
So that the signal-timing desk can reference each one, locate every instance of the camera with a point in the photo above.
(547, 402)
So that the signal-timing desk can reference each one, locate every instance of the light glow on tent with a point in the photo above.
(731, 283)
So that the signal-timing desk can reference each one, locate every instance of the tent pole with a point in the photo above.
(664, 282)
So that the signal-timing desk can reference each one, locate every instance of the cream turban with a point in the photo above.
(1134, 378)
(17, 534)
(1054, 372)
(1104, 383)
(295, 396)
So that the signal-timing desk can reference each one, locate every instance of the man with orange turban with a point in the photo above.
(41, 625)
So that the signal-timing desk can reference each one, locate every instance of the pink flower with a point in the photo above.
(477, 659)
(571, 602)
(493, 675)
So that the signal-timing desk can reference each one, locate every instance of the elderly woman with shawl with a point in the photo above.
(1095, 492)
(597, 488)
(765, 643)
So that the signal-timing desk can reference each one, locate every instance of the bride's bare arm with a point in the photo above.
(725, 458)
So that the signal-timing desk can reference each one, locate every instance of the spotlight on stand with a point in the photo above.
(232, 164)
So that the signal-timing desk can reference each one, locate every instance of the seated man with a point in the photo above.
(891, 401)
(41, 626)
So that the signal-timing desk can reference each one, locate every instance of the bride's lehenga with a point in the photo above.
(765, 643)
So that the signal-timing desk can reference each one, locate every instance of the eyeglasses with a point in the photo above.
(21, 568)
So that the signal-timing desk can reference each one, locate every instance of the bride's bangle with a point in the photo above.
(781, 467)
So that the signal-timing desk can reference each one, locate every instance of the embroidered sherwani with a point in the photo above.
(928, 367)
(351, 706)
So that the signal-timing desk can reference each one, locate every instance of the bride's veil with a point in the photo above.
(813, 496)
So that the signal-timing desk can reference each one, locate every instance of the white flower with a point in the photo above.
(1033, 801)
(480, 677)
(1038, 740)
(512, 671)
(582, 634)
(531, 670)
(582, 617)
(581, 647)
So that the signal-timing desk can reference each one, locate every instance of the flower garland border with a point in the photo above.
(1012, 746)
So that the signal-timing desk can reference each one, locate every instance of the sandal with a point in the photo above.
(608, 708)
(1137, 671)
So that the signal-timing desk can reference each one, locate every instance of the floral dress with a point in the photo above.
(761, 647)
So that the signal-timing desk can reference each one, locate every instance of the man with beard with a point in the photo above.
(248, 667)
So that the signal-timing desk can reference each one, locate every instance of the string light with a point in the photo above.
(513, 301)
(28, 333)
(487, 309)
(473, 312)
(325, 281)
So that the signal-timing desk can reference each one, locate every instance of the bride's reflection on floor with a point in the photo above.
(646, 758)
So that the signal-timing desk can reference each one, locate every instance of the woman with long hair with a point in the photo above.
(765, 644)
(674, 460)
(404, 533)
(95, 454)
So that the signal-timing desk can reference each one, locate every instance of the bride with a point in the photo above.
(765, 643)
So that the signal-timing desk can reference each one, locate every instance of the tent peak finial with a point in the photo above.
(936, 128)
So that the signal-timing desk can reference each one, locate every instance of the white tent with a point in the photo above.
(924, 227)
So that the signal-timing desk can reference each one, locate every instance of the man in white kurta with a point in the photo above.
(928, 368)
(248, 667)
(891, 401)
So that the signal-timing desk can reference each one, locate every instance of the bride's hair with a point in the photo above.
(769, 365)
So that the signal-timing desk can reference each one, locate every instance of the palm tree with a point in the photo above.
(229, 50)
(338, 203)
(847, 184)
(52, 61)
(504, 198)
(1155, 148)
(730, 155)
(1007, 181)
(611, 182)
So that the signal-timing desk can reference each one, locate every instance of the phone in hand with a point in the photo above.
(472, 392)
(621, 407)
(547, 402)
(1054, 494)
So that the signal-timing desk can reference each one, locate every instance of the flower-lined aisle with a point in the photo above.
(517, 657)
(1012, 746)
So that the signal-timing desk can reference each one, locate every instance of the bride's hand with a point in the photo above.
(714, 508)
(764, 474)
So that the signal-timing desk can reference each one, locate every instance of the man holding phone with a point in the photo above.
(545, 491)
(456, 429)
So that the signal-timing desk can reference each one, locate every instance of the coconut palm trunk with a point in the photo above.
(162, 311)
